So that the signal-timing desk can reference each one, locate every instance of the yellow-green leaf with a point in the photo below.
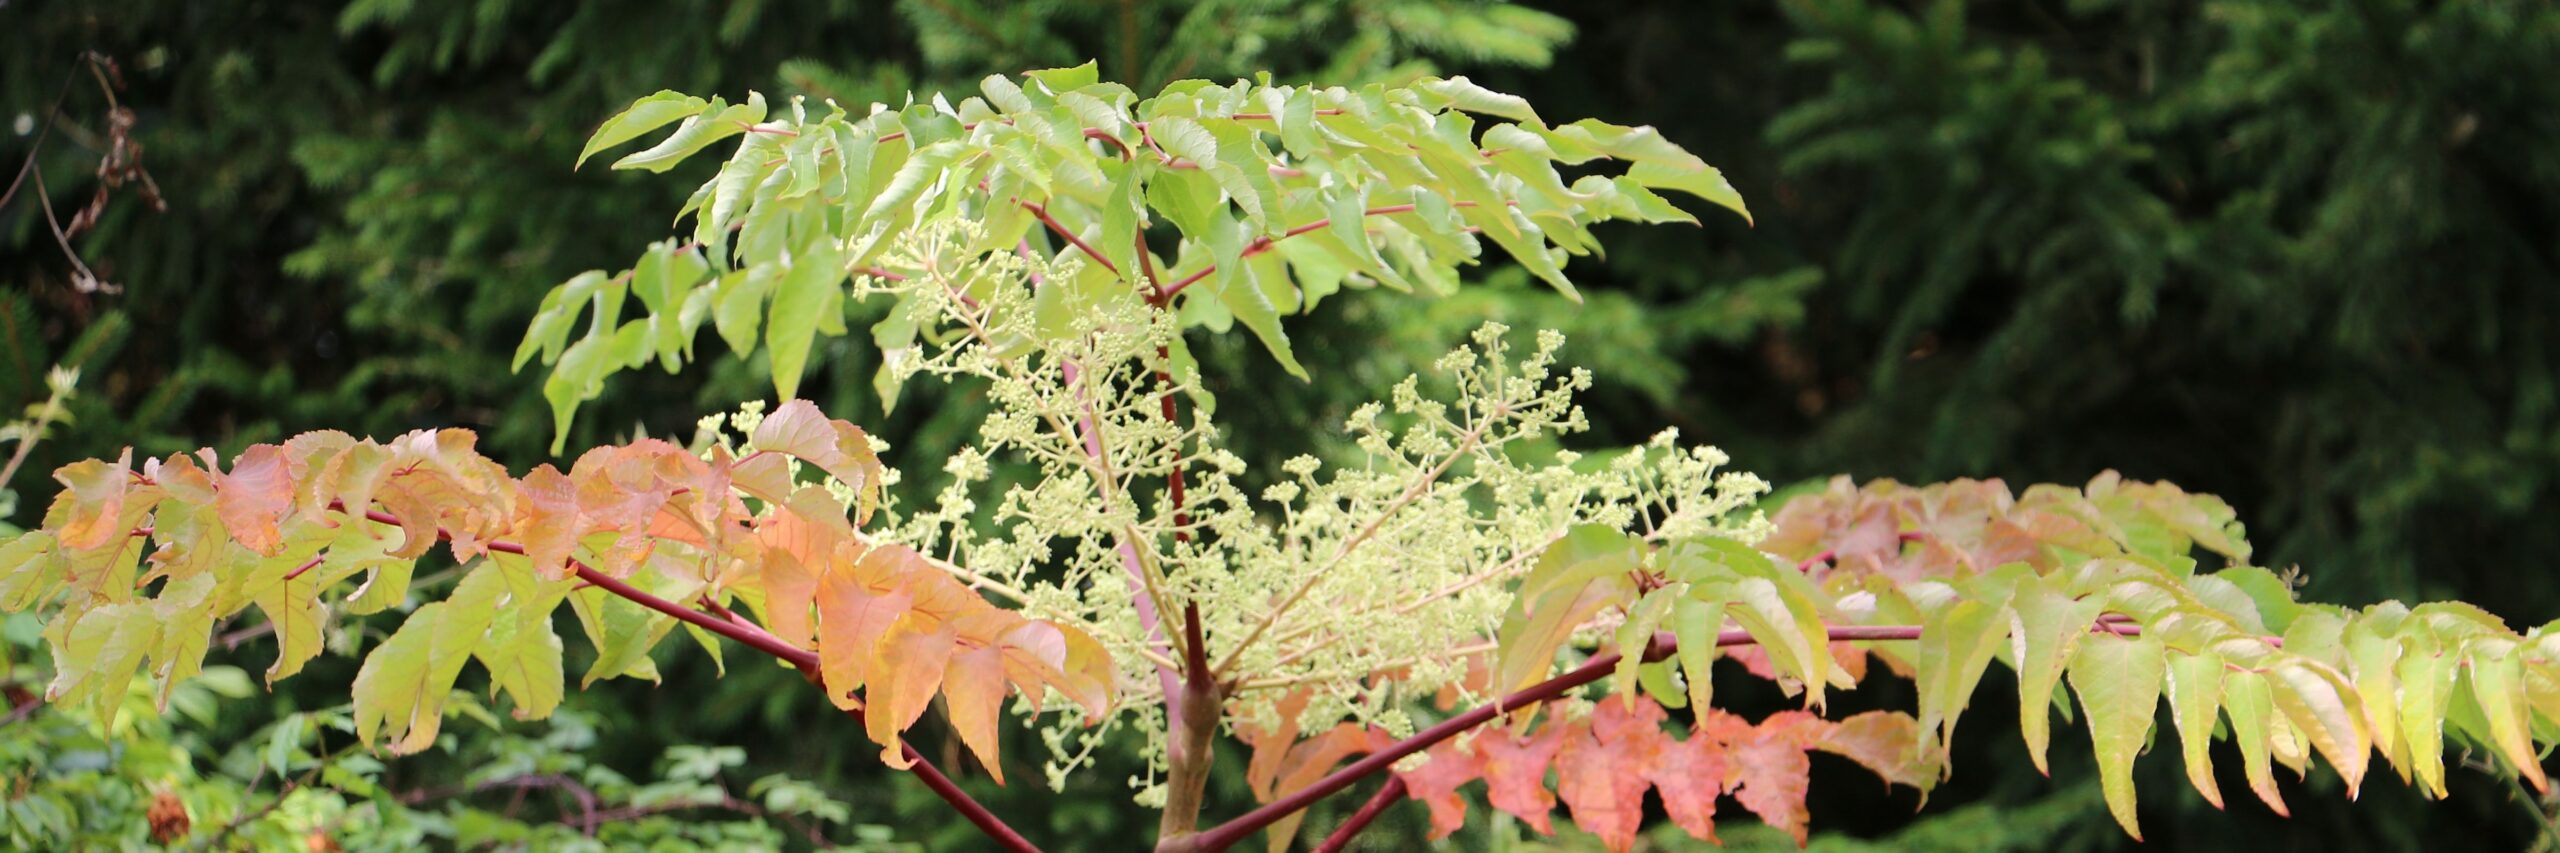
(98, 656)
(401, 689)
(520, 651)
(2049, 627)
(809, 292)
(1697, 622)
(1586, 553)
(711, 125)
(1956, 646)
(1785, 627)
(2118, 679)
(2195, 700)
(644, 115)
(1636, 634)
(2497, 683)
(2425, 675)
(2251, 706)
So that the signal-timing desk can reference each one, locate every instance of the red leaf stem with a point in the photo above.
(1263, 244)
(1042, 211)
(1378, 804)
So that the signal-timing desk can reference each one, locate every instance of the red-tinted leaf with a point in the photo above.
(906, 670)
(622, 490)
(839, 447)
(1271, 743)
(550, 527)
(1886, 742)
(973, 686)
(1306, 762)
(767, 476)
(1690, 775)
(1436, 784)
(1314, 757)
(852, 618)
(883, 618)
(1043, 654)
(1515, 773)
(1769, 769)
(1604, 767)
(95, 492)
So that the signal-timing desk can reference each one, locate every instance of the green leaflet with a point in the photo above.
(2251, 706)
(2195, 700)
(1579, 574)
(2497, 683)
(29, 568)
(1242, 170)
(1698, 623)
(1238, 289)
(186, 616)
(1659, 684)
(520, 651)
(2372, 653)
(2118, 679)
(96, 656)
(2049, 627)
(1185, 139)
(733, 188)
(388, 586)
(1636, 634)
(1464, 94)
(1067, 79)
(737, 306)
(291, 604)
(2425, 674)
(622, 632)
(1526, 243)
(1587, 552)
(1005, 95)
(1956, 646)
(1537, 628)
(716, 122)
(1796, 643)
(1524, 155)
(1640, 203)
(710, 644)
(2276, 606)
(1296, 116)
(1119, 235)
(401, 689)
(549, 331)
(2226, 597)
(1775, 604)
(1704, 181)
(579, 372)
(644, 115)
(811, 298)
(2322, 707)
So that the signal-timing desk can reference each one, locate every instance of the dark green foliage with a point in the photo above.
(2300, 252)
(2301, 255)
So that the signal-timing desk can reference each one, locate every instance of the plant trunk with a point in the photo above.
(1189, 753)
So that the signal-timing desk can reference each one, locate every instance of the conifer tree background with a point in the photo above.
(2302, 255)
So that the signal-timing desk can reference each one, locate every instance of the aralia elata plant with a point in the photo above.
(1429, 611)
